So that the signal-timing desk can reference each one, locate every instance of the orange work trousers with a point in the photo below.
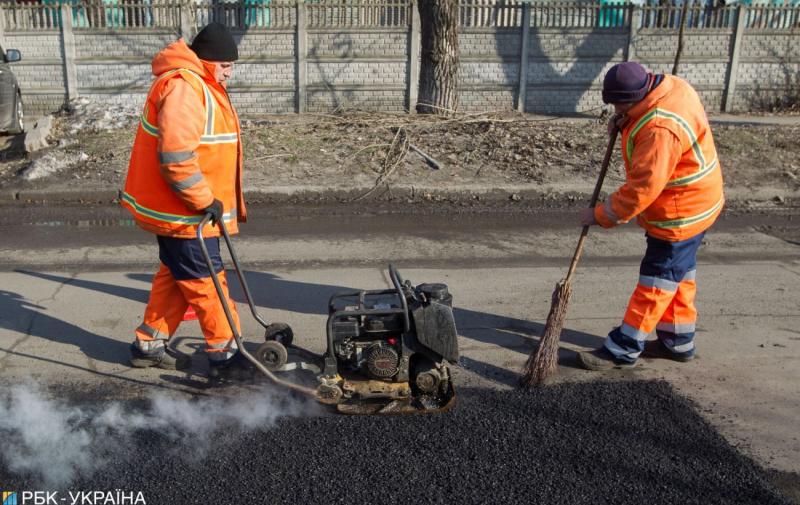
(662, 301)
(183, 280)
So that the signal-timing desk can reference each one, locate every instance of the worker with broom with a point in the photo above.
(674, 190)
(186, 163)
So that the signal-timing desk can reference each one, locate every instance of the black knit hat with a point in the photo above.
(215, 43)
(625, 83)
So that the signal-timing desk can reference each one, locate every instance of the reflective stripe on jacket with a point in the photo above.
(187, 150)
(673, 177)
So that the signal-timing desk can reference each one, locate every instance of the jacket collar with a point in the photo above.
(650, 100)
(178, 55)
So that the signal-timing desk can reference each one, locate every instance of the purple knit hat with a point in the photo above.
(625, 83)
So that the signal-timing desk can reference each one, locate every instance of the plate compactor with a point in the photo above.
(387, 350)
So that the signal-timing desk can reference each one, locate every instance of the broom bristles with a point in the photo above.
(543, 360)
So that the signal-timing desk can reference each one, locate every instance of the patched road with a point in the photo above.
(625, 442)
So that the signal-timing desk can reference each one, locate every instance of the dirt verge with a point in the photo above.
(504, 156)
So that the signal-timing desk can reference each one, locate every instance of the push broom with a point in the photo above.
(542, 361)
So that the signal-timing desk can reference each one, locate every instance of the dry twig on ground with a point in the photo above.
(259, 158)
(395, 156)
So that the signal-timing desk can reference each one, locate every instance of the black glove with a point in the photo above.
(616, 122)
(216, 211)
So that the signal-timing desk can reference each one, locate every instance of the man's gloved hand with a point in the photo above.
(216, 211)
(616, 122)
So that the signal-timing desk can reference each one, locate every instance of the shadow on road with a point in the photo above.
(128, 293)
(520, 335)
(28, 319)
(273, 292)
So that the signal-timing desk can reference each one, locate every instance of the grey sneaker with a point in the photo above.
(657, 349)
(163, 358)
(601, 359)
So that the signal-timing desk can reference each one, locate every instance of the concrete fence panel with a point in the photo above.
(325, 55)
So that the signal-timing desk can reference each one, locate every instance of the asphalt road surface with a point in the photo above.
(718, 430)
(622, 442)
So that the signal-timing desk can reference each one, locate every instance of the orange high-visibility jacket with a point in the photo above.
(187, 150)
(673, 177)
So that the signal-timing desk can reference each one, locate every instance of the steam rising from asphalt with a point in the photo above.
(56, 443)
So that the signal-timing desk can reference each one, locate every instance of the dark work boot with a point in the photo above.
(602, 359)
(163, 358)
(234, 369)
(657, 349)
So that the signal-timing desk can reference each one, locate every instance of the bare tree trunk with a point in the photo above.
(439, 56)
(684, 12)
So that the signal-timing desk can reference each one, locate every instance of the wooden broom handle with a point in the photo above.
(603, 169)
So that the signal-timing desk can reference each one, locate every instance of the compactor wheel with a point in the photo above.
(272, 354)
(280, 332)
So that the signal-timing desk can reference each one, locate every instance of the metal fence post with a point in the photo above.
(413, 58)
(301, 52)
(525, 34)
(636, 22)
(730, 81)
(68, 52)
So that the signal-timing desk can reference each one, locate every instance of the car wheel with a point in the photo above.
(17, 125)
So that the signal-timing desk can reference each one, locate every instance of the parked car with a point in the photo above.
(11, 109)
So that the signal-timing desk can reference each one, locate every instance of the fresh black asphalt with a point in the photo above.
(603, 442)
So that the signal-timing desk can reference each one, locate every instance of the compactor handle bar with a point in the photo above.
(227, 309)
(398, 285)
(235, 260)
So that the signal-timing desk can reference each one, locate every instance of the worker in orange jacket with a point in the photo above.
(673, 188)
(186, 162)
